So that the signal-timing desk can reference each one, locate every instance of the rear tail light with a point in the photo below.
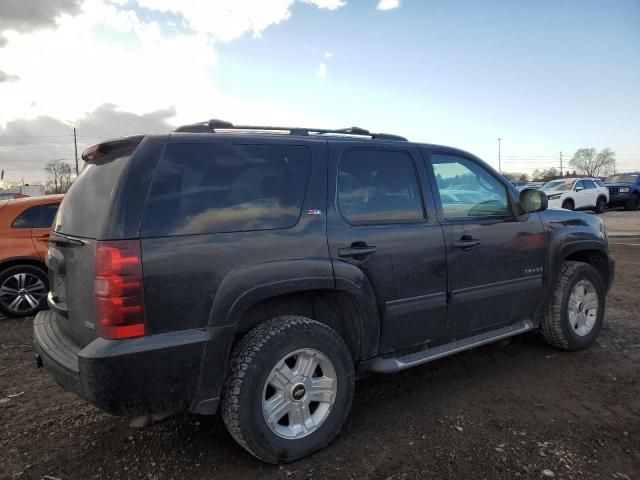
(118, 289)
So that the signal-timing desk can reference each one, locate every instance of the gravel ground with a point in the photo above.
(517, 410)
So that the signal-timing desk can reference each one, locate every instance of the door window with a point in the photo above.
(468, 190)
(588, 184)
(378, 186)
(580, 184)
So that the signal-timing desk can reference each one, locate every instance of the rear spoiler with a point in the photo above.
(102, 150)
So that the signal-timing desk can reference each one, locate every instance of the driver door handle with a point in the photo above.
(466, 243)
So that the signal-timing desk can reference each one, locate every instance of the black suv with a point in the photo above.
(261, 270)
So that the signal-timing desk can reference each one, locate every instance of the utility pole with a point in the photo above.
(75, 144)
(561, 170)
(499, 156)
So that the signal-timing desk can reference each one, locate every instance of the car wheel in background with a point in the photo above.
(23, 289)
(568, 204)
(601, 205)
(633, 203)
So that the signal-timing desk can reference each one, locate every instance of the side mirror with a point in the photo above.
(532, 200)
(579, 188)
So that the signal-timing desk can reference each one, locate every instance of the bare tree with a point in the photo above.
(522, 177)
(592, 163)
(545, 175)
(59, 173)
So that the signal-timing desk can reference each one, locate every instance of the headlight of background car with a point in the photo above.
(624, 190)
(555, 196)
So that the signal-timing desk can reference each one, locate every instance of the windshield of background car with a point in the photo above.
(557, 186)
(622, 179)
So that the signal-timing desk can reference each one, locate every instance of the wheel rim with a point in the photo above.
(583, 308)
(299, 393)
(22, 292)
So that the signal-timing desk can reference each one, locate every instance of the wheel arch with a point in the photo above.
(16, 261)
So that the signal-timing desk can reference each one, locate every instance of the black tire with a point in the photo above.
(251, 363)
(601, 205)
(556, 327)
(633, 203)
(568, 204)
(5, 300)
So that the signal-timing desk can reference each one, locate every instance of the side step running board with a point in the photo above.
(394, 364)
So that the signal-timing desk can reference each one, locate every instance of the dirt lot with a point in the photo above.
(502, 411)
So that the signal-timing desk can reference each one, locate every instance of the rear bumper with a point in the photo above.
(157, 374)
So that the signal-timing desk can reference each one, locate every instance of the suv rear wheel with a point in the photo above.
(576, 311)
(22, 290)
(601, 205)
(633, 203)
(289, 388)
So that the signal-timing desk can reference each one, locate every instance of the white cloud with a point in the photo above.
(328, 55)
(388, 4)
(321, 71)
(226, 20)
(328, 4)
(108, 55)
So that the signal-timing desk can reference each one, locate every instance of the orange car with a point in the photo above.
(25, 224)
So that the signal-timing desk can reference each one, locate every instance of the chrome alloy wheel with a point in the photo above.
(299, 393)
(583, 308)
(22, 292)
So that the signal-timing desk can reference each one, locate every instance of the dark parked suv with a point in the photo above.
(624, 190)
(261, 270)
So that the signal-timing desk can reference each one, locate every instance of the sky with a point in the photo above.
(545, 76)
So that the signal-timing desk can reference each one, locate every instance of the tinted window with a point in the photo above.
(467, 189)
(377, 186)
(211, 188)
(588, 184)
(579, 184)
(86, 202)
(26, 219)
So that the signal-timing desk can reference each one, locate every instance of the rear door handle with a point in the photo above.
(357, 251)
(466, 243)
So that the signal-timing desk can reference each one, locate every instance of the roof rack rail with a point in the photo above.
(214, 124)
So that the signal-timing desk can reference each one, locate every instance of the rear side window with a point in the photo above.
(40, 216)
(85, 204)
(599, 183)
(214, 188)
(378, 186)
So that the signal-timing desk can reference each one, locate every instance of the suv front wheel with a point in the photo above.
(575, 314)
(289, 388)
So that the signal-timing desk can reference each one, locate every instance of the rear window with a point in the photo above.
(214, 188)
(85, 204)
(40, 216)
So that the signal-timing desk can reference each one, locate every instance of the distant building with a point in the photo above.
(28, 190)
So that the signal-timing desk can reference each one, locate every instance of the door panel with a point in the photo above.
(377, 207)
(495, 260)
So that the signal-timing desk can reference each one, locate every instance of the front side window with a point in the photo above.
(378, 186)
(215, 188)
(467, 189)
